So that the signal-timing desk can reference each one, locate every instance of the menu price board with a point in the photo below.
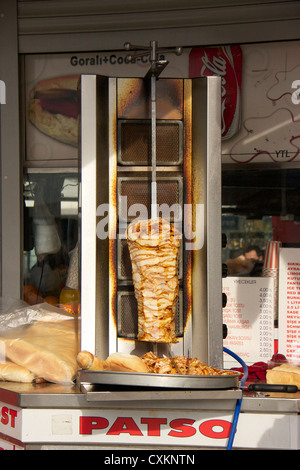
(249, 316)
(289, 304)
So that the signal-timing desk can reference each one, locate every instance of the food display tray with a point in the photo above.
(146, 380)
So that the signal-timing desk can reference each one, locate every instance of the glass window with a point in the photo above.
(259, 204)
(50, 235)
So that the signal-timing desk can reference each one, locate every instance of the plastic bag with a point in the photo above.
(46, 236)
(42, 339)
(8, 304)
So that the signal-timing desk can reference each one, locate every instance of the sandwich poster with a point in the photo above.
(51, 97)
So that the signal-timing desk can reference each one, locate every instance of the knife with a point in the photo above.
(272, 388)
(174, 364)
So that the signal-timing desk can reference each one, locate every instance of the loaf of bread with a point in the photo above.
(88, 361)
(47, 349)
(125, 363)
(11, 372)
(285, 374)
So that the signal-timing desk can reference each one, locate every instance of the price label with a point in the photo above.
(289, 303)
(249, 316)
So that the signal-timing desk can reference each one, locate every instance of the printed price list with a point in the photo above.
(249, 316)
(289, 303)
(266, 322)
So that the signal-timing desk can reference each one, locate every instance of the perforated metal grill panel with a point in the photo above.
(127, 315)
(134, 142)
(138, 191)
(134, 152)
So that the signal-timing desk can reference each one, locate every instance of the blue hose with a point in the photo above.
(239, 401)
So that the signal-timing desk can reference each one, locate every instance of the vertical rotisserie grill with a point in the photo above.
(134, 183)
(188, 196)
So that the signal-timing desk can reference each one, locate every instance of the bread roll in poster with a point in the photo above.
(54, 108)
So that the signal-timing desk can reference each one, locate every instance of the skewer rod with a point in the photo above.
(153, 133)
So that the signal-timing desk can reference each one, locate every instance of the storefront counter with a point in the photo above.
(50, 416)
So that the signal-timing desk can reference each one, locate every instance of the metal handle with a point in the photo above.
(273, 388)
(157, 65)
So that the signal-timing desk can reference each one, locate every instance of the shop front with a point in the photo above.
(157, 222)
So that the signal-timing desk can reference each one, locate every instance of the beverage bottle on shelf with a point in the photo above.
(69, 298)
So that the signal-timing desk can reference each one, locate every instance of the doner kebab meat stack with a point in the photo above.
(153, 246)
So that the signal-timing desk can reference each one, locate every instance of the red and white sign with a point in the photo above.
(127, 426)
(7, 443)
(10, 420)
(144, 427)
(178, 428)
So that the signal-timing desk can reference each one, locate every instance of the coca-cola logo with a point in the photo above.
(224, 62)
(218, 67)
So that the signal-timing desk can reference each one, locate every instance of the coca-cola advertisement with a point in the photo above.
(260, 95)
(225, 62)
(260, 99)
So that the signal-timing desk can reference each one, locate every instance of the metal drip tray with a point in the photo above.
(158, 381)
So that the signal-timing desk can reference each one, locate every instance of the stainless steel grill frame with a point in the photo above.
(201, 169)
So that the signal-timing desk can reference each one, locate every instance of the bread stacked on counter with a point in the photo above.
(121, 362)
(42, 350)
(11, 372)
(41, 344)
(149, 363)
(48, 352)
(285, 374)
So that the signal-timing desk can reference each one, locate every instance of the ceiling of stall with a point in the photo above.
(107, 24)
